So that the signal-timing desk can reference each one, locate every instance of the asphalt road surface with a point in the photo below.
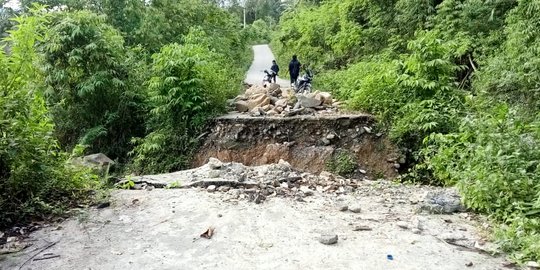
(262, 60)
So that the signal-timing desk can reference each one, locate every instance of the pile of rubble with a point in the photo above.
(251, 183)
(274, 101)
(257, 183)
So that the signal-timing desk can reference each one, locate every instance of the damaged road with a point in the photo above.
(210, 218)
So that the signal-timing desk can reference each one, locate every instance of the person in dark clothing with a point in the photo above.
(275, 69)
(294, 69)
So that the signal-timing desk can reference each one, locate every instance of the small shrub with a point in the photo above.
(342, 163)
(188, 86)
(36, 178)
(91, 94)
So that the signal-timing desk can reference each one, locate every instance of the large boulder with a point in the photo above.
(241, 106)
(442, 202)
(274, 90)
(325, 97)
(258, 101)
(254, 90)
(282, 103)
(309, 100)
(98, 159)
(287, 93)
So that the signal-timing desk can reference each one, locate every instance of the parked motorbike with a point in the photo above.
(268, 77)
(303, 85)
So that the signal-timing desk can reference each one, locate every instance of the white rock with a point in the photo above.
(355, 208)
(402, 224)
(306, 191)
(214, 163)
(328, 239)
(533, 265)
(211, 188)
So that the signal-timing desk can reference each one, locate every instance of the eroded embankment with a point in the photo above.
(307, 142)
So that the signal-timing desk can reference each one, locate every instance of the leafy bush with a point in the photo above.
(35, 177)
(513, 73)
(92, 96)
(342, 163)
(415, 76)
(189, 84)
(259, 32)
(414, 96)
(494, 160)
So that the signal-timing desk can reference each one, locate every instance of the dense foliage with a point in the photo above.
(132, 79)
(90, 95)
(35, 176)
(455, 83)
(189, 84)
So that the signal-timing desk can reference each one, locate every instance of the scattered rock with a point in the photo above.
(272, 112)
(284, 165)
(259, 198)
(361, 228)
(103, 205)
(442, 202)
(418, 223)
(469, 264)
(97, 161)
(223, 188)
(214, 163)
(355, 208)
(306, 191)
(328, 239)
(281, 103)
(533, 265)
(214, 174)
(211, 188)
(402, 224)
(241, 106)
(343, 207)
(309, 100)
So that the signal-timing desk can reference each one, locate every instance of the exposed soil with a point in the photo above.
(306, 142)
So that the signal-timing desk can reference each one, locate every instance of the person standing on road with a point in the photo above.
(275, 69)
(294, 69)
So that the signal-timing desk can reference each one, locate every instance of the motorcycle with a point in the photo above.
(268, 77)
(303, 85)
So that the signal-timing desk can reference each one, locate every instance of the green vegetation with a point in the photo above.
(342, 163)
(454, 82)
(132, 79)
(36, 178)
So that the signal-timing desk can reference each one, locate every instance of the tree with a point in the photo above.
(89, 92)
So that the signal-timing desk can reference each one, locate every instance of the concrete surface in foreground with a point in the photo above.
(159, 229)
